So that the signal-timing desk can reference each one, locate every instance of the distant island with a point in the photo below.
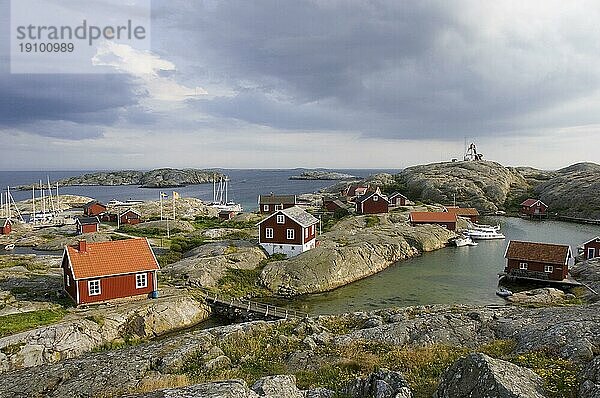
(323, 175)
(158, 178)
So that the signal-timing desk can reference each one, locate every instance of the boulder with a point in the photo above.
(590, 385)
(542, 296)
(277, 387)
(478, 375)
(380, 384)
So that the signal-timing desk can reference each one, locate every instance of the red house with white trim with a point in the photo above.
(533, 208)
(591, 248)
(372, 203)
(539, 261)
(5, 226)
(397, 199)
(130, 217)
(97, 272)
(289, 231)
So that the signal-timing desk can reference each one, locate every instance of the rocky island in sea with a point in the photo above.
(158, 178)
(324, 175)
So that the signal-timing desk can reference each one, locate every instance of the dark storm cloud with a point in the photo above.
(393, 68)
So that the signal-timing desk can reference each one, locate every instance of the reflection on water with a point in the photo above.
(455, 275)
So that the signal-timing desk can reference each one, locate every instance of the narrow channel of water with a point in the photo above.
(465, 275)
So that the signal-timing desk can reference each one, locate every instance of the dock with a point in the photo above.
(241, 307)
(565, 282)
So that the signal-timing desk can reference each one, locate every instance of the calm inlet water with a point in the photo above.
(454, 275)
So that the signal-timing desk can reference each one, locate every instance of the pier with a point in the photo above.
(242, 308)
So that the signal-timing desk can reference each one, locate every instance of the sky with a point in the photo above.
(319, 83)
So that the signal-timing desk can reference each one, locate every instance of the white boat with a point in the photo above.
(464, 241)
(503, 292)
(221, 196)
(9, 247)
(484, 235)
(485, 228)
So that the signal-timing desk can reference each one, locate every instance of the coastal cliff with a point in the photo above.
(158, 178)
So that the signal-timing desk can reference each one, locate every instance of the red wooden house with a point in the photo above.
(268, 204)
(97, 272)
(130, 217)
(93, 208)
(445, 219)
(289, 231)
(540, 261)
(87, 225)
(5, 226)
(533, 208)
(591, 248)
(397, 199)
(372, 203)
(333, 204)
(467, 212)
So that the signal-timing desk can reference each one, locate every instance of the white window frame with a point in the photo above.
(280, 219)
(278, 207)
(306, 232)
(68, 280)
(265, 207)
(268, 233)
(312, 229)
(94, 287)
(591, 252)
(375, 198)
(548, 269)
(523, 266)
(290, 234)
(141, 280)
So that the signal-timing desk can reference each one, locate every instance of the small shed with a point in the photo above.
(591, 248)
(87, 225)
(372, 203)
(533, 208)
(397, 199)
(333, 204)
(5, 226)
(227, 214)
(93, 208)
(539, 261)
(445, 219)
(98, 272)
(130, 217)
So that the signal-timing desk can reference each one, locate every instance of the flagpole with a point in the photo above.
(161, 211)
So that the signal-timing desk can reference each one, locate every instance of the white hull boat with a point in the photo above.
(503, 292)
(221, 196)
(484, 235)
(9, 247)
(464, 241)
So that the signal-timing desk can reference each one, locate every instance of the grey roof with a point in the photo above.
(276, 199)
(299, 215)
(397, 194)
(87, 220)
(340, 204)
(128, 211)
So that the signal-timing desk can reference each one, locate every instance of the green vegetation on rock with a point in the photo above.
(15, 323)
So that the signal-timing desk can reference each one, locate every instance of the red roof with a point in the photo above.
(112, 258)
(547, 253)
(531, 202)
(432, 217)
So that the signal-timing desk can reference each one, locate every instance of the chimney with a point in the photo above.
(82, 246)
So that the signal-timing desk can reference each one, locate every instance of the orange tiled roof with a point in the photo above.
(466, 211)
(430, 216)
(112, 258)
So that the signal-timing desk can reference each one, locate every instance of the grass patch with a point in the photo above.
(559, 375)
(202, 222)
(126, 341)
(149, 232)
(99, 319)
(371, 221)
(15, 323)
(29, 263)
(242, 283)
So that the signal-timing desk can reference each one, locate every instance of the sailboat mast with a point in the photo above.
(33, 203)
(57, 198)
(43, 199)
(51, 198)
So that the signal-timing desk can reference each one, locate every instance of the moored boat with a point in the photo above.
(484, 235)
(462, 241)
(9, 247)
(503, 292)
